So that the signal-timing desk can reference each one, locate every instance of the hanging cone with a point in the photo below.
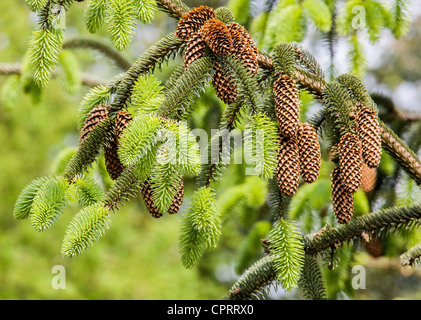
(350, 161)
(368, 179)
(178, 200)
(374, 247)
(309, 151)
(217, 36)
(193, 20)
(245, 34)
(342, 200)
(146, 191)
(287, 105)
(224, 85)
(96, 115)
(112, 161)
(288, 168)
(195, 49)
(368, 130)
(242, 47)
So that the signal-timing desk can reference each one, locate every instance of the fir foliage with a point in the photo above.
(95, 14)
(49, 203)
(147, 94)
(88, 191)
(201, 227)
(26, 198)
(121, 23)
(311, 282)
(287, 253)
(99, 95)
(44, 50)
(261, 145)
(86, 227)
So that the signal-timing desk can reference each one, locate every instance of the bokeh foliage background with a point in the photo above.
(138, 257)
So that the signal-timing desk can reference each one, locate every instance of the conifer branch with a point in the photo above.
(101, 47)
(151, 58)
(311, 282)
(412, 256)
(88, 150)
(253, 281)
(381, 223)
(402, 154)
(175, 8)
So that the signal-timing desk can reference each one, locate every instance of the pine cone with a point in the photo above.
(225, 87)
(288, 168)
(217, 36)
(368, 179)
(146, 191)
(309, 151)
(368, 130)
(243, 47)
(96, 115)
(350, 161)
(122, 122)
(374, 247)
(112, 161)
(287, 105)
(195, 49)
(193, 20)
(178, 200)
(342, 200)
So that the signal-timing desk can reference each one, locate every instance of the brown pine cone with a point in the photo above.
(244, 47)
(309, 151)
(146, 191)
(122, 122)
(287, 105)
(288, 167)
(368, 130)
(342, 200)
(224, 85)
(193, 20)
(112, 161)
(178, 200)
(195, 49)
(368, 179)
(217, 36)
(350, 161)
(374, 247)
(96, 115)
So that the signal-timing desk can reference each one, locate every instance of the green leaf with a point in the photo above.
(145, 10)
(261, 145)
(201, 227)
(401, 19)
(26, 198)
(88, 191)
(147, 94)
(96, 96)
(11, 91)
(44, 50)
(35, 5)
(95, 14)
(138, 140)
(49, 203)
(121, 23)
(319, 12)
(287, 252)
(87, 226)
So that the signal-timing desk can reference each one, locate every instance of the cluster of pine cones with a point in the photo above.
(112, 162)
(358, 153)
(206, 34)
(299, 149)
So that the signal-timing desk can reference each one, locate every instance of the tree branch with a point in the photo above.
(103, 48)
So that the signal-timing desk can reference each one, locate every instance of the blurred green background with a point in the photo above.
(138, 257)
